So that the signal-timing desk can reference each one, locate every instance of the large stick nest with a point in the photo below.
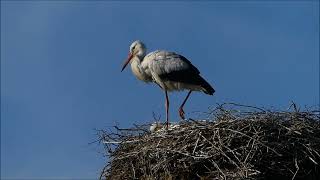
(235, 143)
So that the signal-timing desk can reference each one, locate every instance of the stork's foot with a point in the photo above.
(181, 113)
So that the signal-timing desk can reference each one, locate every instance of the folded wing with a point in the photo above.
(171, 67)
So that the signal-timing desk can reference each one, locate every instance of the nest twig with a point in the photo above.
(237, 143)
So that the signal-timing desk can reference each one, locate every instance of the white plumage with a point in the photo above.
(171, 71)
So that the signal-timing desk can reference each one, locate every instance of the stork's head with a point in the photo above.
(138, 49)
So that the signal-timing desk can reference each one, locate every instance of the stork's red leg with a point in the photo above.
(167, 108)
(181, 112)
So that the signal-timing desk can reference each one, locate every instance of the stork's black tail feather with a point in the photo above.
(207, 88)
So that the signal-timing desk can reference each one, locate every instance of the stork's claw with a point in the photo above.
(181, 113)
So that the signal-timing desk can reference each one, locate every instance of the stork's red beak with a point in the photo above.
(127, 61)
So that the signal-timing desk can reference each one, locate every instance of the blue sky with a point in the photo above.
(61, 79)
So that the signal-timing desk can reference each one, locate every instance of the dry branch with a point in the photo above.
(239, 142)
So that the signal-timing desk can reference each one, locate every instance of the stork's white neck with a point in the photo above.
(137, 70)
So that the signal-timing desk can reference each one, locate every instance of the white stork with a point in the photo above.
(170, 71)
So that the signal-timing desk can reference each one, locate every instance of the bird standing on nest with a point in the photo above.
(170, 71)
